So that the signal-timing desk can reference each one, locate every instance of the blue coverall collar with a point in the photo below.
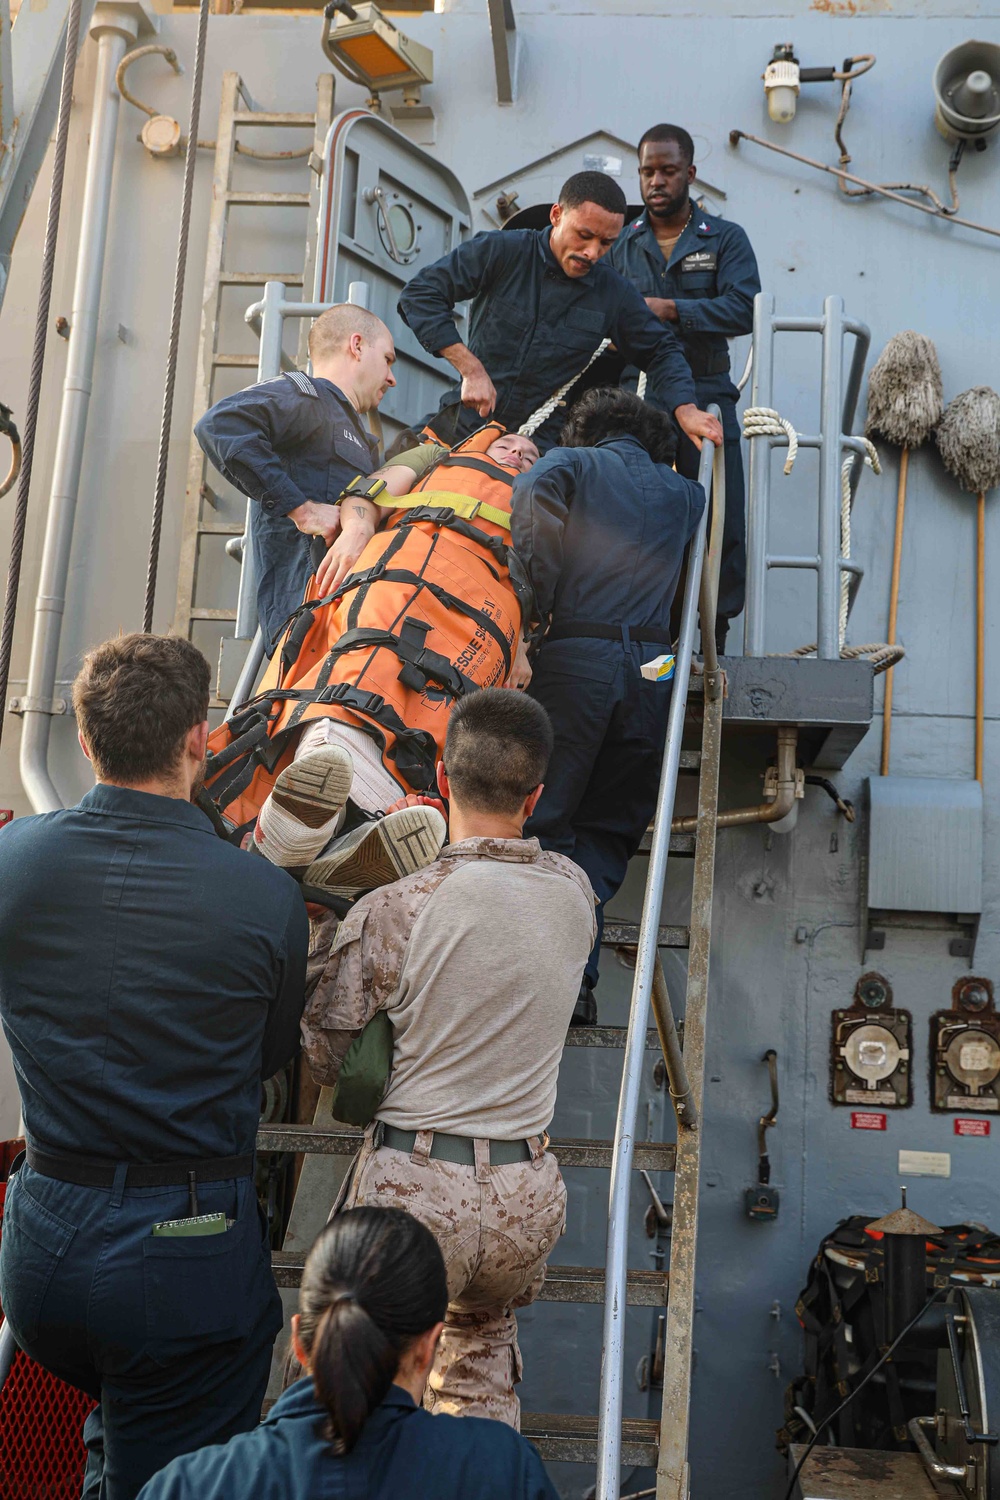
(322, 380)
(125, 802)
(552, 266)
(299, 1400)
(700, 227)
(619, 437)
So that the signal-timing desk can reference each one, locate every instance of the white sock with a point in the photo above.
(286, 841)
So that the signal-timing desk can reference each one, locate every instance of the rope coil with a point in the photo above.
(764, 421)
(537, 418)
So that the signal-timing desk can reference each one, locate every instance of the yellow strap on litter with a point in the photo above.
(462, 505)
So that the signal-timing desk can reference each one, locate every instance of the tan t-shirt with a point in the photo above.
(478, 961)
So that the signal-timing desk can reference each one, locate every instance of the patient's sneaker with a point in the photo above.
(304, 810)
(376, 853)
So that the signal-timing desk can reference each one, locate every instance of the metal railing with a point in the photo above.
(702, 582)
(838, 403)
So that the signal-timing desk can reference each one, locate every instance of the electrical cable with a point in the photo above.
(827, 1421)
(38, 350)
(173, 346)
(156, 49)
(891, 192)
(9, 430)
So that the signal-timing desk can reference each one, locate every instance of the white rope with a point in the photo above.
(531, 426)
(640, 387)
(871, 462)
(764, 421)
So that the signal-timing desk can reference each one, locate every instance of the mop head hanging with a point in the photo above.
(905, 394)
(968, 439)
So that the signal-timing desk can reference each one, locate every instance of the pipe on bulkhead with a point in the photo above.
(764, 812)
(115, 29)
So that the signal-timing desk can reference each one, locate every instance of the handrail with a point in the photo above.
(701, 580)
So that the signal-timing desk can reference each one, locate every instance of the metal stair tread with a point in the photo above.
(680, 843)
(573, 1439)
(606, 1036)
(321, 1140)
(626, 935)
(583, 1284)
(239, 198)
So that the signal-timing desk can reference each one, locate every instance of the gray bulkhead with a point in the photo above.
(787, 916)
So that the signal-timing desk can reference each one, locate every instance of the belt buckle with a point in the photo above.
(473, 513)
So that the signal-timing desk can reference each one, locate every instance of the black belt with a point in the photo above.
(709, 364)
(593, 630)
(459, 1149)
(88, 1171)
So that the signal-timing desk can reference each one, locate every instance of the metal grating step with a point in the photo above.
(605, 1036)
(626, 935)
(235, 361)
(562, 1283)
(573, 1440)
(651, 1156)
(690, 760)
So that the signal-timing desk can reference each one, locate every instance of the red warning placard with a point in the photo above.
(867, 1119)
(965, 1126)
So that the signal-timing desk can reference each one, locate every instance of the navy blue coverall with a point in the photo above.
(283, 442)
(602, 533)
(403, 1453)
(151, 975)
(712, 276)
(533, 327)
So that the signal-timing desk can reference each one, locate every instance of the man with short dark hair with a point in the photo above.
(477, 960)
(699, 275)
(151, 975)
(601, 525)
(542, 306)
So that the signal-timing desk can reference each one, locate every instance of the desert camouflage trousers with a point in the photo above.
(496, 1227)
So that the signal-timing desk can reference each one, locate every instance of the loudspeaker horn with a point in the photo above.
(967, 91)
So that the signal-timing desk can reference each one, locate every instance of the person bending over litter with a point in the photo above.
(337, 748)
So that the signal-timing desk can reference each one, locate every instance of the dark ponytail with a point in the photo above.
(373, 1282)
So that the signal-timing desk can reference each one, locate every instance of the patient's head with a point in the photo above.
(514, 451)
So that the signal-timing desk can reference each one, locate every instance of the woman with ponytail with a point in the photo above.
(371, 1310)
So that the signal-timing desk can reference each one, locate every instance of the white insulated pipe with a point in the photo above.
(114, 30)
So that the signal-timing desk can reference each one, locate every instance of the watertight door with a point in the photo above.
(388, 209)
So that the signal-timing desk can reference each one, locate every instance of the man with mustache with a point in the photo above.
(699, 276)
(542, 303)
(294, 442)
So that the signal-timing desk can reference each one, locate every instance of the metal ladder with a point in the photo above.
(609, 1439)
(237, 112)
